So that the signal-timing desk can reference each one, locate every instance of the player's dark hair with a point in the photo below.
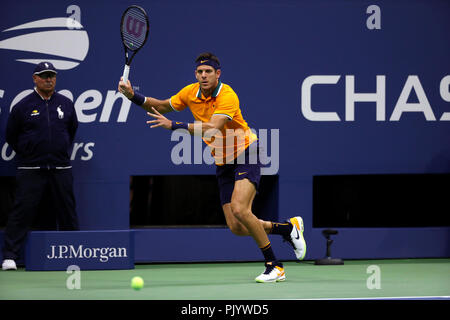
(207, 56)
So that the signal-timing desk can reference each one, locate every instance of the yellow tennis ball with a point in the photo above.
(137, 283)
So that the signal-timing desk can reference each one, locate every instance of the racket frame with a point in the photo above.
(128, 59)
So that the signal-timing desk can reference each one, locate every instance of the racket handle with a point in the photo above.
(126, 71)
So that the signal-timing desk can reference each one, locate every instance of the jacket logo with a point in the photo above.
(60, 112)
(34, 113)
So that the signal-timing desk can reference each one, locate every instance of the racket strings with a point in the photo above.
(134, 29)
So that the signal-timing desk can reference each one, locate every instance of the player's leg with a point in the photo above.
(241, 205)
(291, 231)
(233, 224)
(225, 180)
(226, 176)
(241, 201)
(238, 228)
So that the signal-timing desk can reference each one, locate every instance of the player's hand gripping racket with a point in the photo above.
(134, 29)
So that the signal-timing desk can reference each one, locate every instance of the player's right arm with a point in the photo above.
(162, 106)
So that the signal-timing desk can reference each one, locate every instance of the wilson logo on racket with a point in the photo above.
(71, 45)
(135, 27)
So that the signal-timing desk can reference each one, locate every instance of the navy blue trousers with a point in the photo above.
(32, 185)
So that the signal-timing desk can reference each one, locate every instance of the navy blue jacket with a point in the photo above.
(41, 132)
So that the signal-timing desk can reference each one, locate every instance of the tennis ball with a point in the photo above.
(137, 283)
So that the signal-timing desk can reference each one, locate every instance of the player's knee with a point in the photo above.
(239, 210)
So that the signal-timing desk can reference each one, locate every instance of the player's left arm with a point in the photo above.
(216, 122)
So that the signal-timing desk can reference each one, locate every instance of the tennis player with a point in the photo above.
(215, 107)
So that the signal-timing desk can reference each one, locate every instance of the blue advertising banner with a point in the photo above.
(87, 250)
(331, 88)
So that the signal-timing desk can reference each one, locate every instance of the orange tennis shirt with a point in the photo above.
(235, 136)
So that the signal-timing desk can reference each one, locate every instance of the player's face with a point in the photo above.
(207, 76)
(45, 82)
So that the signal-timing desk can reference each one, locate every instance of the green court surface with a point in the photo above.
(234, 281)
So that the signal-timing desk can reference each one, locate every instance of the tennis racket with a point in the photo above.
(134, 28)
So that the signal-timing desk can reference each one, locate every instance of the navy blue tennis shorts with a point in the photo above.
(228, 174)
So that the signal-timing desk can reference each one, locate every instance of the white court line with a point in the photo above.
(385, 298)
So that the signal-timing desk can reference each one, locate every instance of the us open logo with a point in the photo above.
(63, 43)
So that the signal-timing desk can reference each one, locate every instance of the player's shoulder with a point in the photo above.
(193, 87)
(190, 90)
(226, 92)
(226, 87)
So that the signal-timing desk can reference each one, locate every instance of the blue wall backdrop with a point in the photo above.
(354, 87)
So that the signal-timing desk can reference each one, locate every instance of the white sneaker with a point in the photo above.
(9, 264)
(296, 239)
(273, 273)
